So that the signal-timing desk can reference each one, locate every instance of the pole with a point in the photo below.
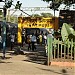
(54, 19)
(74, 53)
(4, 30)
(8, 17)
(49, 43)
(54, 14)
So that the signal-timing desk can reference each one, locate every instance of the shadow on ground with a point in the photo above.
(1, 57)
(62, 72)
(34, 57)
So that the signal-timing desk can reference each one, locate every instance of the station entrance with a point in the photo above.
(35, 24)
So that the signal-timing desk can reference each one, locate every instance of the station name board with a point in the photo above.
(36, 22)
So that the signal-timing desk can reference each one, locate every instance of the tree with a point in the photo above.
(35, 15)
(56, 3)
(13, 19)
(46, 15)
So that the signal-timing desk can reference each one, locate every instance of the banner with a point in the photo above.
(39, 22)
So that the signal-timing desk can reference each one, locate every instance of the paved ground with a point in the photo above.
(19, 65)
(29, 64)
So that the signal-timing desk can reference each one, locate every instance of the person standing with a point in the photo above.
(29, 42)
(12, 40)
(45, 39)
(40, 39)
(33, 41)
(0, 42)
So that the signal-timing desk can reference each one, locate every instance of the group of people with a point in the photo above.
(32, 40)
(10, 41)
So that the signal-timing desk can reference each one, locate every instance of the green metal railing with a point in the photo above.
(62, 51)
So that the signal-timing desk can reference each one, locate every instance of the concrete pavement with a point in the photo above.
(19, 65)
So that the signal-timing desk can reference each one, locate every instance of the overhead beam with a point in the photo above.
(34, 9)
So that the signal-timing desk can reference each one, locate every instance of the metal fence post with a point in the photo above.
(49, 43)
(4, 30)
(74, 53)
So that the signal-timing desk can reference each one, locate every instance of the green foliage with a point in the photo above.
(0, 12)
(46, 15)
(47, 0)
(68, 34)
(61, 1)
(56, 3)
(13, 19)
(8, 4)
(18, 5)
(35, 15)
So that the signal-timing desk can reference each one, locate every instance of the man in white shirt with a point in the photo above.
(33, 41)
(45, 39)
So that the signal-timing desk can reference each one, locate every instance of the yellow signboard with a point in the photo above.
(38, 22)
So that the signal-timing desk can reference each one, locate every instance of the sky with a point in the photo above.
(35, 3)
(31, 3)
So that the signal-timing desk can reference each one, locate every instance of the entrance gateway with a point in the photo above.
(36, 22)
